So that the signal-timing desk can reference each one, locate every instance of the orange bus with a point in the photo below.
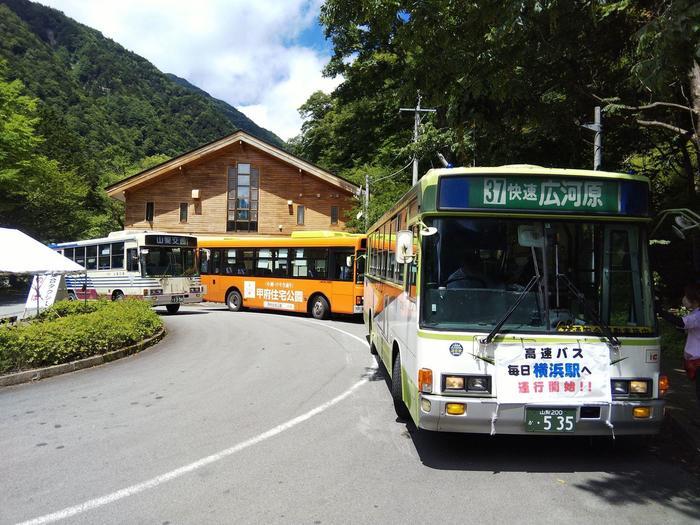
(314, 272)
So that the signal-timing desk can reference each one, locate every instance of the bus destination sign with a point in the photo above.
(170, 240)
(559, 194)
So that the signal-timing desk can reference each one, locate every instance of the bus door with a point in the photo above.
(342, 265)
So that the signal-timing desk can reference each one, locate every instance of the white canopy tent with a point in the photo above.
(21, 254)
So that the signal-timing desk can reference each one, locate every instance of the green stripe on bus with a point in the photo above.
(653, 340)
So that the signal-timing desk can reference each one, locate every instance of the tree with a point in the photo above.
(667, 55)
(35, 194)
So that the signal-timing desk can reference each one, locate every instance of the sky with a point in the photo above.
(264, 56)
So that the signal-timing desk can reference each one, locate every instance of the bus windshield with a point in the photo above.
(170, 261)
(587, 275)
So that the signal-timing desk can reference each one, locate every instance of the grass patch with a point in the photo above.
(72, 330)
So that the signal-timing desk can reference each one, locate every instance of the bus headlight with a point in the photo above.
(478, 384)
(466, 383)
(631, 387)
(639, 387)
(454, 383)
(619, 386)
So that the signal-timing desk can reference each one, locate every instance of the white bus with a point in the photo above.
(154, 266)
(518, 299)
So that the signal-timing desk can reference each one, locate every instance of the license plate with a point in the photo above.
(550, 420)
(178, 299)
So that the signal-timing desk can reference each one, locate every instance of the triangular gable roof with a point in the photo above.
(117, 189)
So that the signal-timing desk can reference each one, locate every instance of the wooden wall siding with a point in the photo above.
(279, 182)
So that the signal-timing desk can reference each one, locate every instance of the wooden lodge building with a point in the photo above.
(236, 185)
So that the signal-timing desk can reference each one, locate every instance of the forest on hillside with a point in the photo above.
(78, 112)
(512, 82)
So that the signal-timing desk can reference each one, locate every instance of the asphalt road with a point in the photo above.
(265, 418)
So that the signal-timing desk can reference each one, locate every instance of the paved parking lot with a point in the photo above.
(257, 417)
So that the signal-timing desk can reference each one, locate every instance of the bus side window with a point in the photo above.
(215, 262)
(412, 267)
(360, 262)
(132, 260)
(91, 257)
(342, 264)
(204, 261)
(118, 255)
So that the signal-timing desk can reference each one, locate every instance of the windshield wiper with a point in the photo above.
(486, 340)
(607, 332)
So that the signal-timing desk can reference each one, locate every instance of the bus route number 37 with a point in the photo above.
(550, 420)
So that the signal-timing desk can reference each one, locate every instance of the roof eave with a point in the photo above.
(117, 190)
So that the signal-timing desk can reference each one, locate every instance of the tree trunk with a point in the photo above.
(694, 78)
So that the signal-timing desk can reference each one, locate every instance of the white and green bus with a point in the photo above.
(518, 299)
(158, 267)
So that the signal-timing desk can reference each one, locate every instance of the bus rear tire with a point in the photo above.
(234, 301)
(320, 307)
(117, 295)
(399, 406)
(172, 308)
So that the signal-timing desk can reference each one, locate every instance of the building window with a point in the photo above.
(300, 215)
(334, 214)
(183, 211)
(243, 189)
(149, 211)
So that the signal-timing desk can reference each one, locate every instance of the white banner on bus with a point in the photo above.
(45, 290)
(561, 374)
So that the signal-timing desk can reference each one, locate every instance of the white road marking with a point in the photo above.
(213, 458)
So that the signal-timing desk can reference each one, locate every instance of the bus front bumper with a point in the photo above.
(485, 416)
(183, 298)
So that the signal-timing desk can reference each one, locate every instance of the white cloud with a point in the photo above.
(246, 53)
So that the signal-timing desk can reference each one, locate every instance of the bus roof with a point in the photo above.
(527, 170)
(426, 190)
(297, 239)
(117, 236)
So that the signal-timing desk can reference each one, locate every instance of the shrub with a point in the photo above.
(67, 308)
(73, 330)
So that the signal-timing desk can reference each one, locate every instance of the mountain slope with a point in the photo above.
(237, 118)
(102, 105)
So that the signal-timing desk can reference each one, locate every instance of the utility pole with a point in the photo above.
(416, 122)
(366, 200)
(597, 126)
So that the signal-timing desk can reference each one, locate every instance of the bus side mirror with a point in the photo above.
(404, 246)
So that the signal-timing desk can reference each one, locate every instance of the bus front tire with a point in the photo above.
(399, 406)
(372, 348)
(320, 307)
(172, 308)
(117, 295)
(234, 301)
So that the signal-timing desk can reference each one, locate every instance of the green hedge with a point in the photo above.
(72, 330)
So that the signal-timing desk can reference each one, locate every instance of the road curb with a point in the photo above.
(42, 373)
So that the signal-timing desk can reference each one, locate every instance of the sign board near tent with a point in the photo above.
(45, 291)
